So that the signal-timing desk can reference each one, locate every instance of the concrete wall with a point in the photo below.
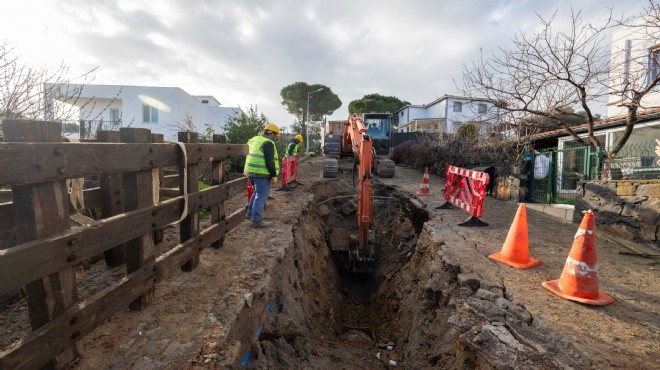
(629, 209)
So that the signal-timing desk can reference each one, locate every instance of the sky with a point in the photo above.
(244, 52)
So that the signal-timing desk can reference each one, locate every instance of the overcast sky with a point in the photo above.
(244, 52)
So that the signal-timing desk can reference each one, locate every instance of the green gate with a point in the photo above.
(556, 173)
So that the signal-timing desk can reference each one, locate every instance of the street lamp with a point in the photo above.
(307, 131)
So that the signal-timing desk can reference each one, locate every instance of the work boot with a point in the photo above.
(248, 216)
(261, 224)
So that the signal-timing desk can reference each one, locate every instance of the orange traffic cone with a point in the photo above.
(579, 280)
(515, 251)
(424, 189)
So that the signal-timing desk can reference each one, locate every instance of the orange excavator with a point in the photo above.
(356, 139)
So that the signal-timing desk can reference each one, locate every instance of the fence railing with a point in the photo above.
(86, 129)
(129, 164)
(556, 172)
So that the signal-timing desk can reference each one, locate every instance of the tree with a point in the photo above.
(376, 103)
(242, 126)
(545, 71)
(30, 92)
(321, 103)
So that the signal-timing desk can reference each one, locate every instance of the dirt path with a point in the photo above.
(199, 318)
(625, 334)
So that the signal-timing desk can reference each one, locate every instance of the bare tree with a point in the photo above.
(31, 92)
(544, 72)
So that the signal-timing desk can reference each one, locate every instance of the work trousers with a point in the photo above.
(258, 199)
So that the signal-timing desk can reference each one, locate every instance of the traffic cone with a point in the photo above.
(579, 280)
(515, 251)
(424, 189)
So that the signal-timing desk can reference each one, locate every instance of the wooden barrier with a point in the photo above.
(48, 249)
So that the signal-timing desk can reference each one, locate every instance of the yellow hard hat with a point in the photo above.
(272, 127)
(299, 137)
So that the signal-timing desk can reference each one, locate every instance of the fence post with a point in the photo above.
(552, 177)
(112, 200)
(158, 180)
(217, 178)
(189, 227)
(41, 210)
(587, 165)
(138, 193)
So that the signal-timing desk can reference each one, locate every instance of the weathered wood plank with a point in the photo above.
(217, 174)
(6, 216)
(41, 210)
(169, 192)
(159, 178)
(189, 226)
(112, 200)
(35, 350)
(138, 193)
(171, 181)
(43, 162)
(92, 201)
(52, 254)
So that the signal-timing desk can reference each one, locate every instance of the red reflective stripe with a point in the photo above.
(466, 189)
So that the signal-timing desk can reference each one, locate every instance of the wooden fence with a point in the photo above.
(129, 164)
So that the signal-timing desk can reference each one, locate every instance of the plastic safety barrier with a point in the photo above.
(466, 189)
(289, 171)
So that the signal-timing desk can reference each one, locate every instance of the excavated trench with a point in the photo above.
(414, 310)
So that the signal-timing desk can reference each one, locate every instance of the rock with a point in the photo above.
(249, 298)
(339, 239)
(520, 313)
(324, 212)
(502, 303)
(487, 295)
(349, 207)
(469, 280)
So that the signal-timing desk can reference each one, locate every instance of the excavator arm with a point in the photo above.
(356, 136)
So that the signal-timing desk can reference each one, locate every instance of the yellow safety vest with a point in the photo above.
(255, 162)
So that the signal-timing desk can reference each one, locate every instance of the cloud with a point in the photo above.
(244, 52)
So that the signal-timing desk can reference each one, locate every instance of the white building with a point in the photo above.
(447, 114)
(164, 110)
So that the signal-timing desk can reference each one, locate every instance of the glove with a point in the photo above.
(273, 180)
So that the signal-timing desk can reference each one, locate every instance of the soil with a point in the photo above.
(282, 297)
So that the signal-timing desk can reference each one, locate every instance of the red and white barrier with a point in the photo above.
(466, 189)
(289, 171)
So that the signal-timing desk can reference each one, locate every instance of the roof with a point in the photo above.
(644, 116)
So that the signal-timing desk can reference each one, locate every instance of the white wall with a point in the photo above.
(640, 45)
(173, 105)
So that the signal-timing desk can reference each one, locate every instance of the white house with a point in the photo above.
(635, 61)
(447, 114)
(164, 110)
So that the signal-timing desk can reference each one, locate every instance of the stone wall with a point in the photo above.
(511, 183)
(626, 208)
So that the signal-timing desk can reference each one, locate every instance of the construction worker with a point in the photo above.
(261, 168)
(292, 148)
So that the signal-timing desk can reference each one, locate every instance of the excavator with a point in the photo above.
(364, 139)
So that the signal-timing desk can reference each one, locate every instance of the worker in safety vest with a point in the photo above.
(261, 168)
(292, 148)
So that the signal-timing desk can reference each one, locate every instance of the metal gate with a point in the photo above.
(556, 173)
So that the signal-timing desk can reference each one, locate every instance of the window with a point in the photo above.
(654, 64)
(149, 114)
(458, 106)
(481, 108)
(114, 115)
(205, 101)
